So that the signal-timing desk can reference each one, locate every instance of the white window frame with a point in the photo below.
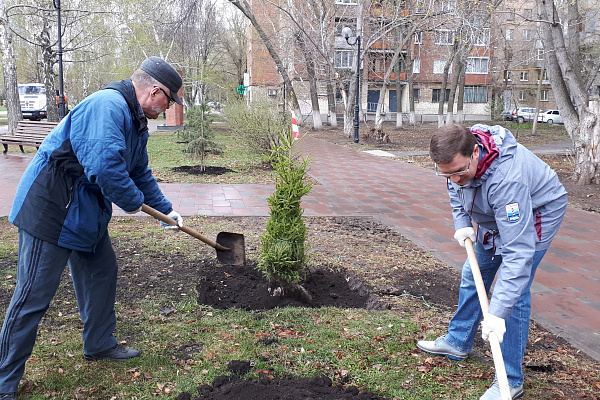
(419, 37)
(527, 35)
(524, 76)
(507, 76)
(528, 13)
(444, 37)
(438, 67)
(522, 95)
(510, 15)
(483, 37)
(347, 2)
(445, 6)
(540, 54)
(344, 58)
(544, 95)
(417, 66)
(475, 94)
(477, 65)
(510, 34)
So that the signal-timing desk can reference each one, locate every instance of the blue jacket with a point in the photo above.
(95, 157)
(518, 204)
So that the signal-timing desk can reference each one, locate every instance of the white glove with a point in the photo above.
(178, 218)
(463, 233)
(134, 211)
(491, 323)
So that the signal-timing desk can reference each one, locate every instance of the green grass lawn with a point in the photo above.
(165, 152)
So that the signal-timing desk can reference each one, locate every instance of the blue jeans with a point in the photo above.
(465, 322)
(40, 266)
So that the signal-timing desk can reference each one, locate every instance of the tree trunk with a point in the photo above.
(314, 96)
(581, 115)
(398, 96)
(331, 98)
(460, 113)
(48, 60)
(13, 104)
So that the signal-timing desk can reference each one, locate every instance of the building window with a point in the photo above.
(527, 34)
(527, 13)
(508, 76)
(416, 66)
(540, 54)
(510, 34)
(346, 2)
(482, 37)
(477, 65)
(444, 37)
(522, 95)
(544, 95)
(272, 92)
(510, 15)
(418, 37)
(344, 58)
(416, 93)
(475, 94)
(438, 67)
(435, 95)
(544, 75)
(524, 76)
(445, 5)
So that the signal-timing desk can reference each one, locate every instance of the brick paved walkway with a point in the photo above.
(413, 201)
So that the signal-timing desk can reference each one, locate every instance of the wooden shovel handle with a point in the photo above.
(166, 219)
(494, 341)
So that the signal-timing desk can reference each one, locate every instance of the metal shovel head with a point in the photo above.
(236, 255)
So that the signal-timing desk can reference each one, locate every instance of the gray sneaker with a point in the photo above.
(441, 347)
(8, 396)
(493, 393)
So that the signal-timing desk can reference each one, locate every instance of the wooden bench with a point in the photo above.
(28, 133)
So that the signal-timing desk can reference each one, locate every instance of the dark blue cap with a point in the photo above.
(163, 72)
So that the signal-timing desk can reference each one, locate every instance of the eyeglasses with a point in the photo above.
(171, 100)
(446, 175)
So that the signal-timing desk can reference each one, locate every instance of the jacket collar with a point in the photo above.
(125, 87)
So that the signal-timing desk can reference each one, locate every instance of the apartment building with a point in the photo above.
(503, 57)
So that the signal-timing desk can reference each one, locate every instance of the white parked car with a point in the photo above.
(523, 114)
(550, 116)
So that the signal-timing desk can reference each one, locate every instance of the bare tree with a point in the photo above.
(572, 68)
(13, 105)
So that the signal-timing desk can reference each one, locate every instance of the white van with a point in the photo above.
(33, 100)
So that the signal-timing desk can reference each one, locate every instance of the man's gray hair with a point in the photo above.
(142, 79)
(450, 140)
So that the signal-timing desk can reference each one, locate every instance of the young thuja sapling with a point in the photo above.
(283, 251)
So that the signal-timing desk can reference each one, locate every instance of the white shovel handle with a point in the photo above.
(494, 342)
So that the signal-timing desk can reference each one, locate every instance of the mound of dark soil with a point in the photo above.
(197, 170)
(245, 288)
(267, 388)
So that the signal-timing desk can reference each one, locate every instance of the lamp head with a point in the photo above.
(346, 32)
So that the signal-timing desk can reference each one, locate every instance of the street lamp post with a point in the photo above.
(346, 32)
(61, 93)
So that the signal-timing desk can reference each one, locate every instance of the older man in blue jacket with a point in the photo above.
(95, 157)
(518, 204)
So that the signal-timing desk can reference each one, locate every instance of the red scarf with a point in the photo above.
(485, 138)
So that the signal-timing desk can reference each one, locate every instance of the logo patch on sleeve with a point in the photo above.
(512, 212)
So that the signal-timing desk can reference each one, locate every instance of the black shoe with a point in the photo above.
(116, 353)
(8, 396)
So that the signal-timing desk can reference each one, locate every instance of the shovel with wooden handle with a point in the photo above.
(493, 339)
(230, 246)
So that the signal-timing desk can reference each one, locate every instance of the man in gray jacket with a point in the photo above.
(517, 204)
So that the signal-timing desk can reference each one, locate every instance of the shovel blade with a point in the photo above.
(236, 255)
